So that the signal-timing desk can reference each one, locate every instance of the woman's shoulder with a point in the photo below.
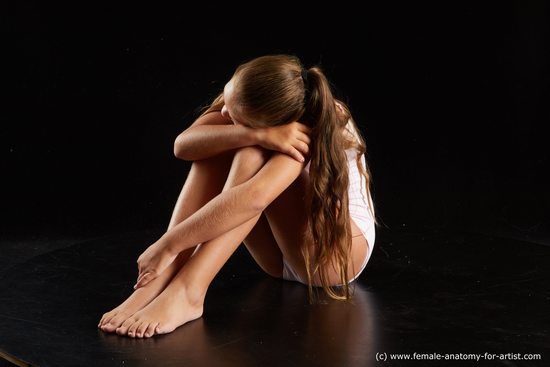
(212, 118)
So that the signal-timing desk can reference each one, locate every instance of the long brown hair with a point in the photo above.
(271, 91)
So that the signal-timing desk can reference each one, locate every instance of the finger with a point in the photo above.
(305, 138)
(303, 148)
(140, 275)
(295, 153)
(143, 280)
(304, 128)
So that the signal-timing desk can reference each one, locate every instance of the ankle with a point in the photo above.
(192, 294)
(195, 295)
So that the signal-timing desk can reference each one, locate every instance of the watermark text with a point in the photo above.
(386, 357)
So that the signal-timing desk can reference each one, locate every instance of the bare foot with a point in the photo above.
(172, 308)
(138, 300)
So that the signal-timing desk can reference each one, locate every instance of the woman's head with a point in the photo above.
(267, 91)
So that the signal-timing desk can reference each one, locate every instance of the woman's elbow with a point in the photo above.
(178, 154)
(179, 149)
(259, 200)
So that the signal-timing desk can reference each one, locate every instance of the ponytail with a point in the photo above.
(329, 226)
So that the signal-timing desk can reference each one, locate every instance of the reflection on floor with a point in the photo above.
(428, 292)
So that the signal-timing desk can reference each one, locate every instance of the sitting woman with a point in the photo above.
(278, 164)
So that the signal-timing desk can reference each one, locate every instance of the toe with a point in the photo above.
(108, 328)
(105, 320)
(101, 322)
(164, 328)
(132, 330)
(115, 322)
(123, 329)
(140, 332)
(150, 330)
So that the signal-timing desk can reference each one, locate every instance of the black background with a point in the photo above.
(451, 97)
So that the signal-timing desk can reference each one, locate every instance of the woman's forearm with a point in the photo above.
(206, 141)
(212, 135)
(228, 210)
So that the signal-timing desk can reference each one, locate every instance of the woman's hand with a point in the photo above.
(292, 139)
(153, 262)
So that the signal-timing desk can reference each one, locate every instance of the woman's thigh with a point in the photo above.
(264, 248)
(280, 230)
(287, 217)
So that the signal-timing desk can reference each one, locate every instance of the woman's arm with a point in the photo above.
(225, 212)
(212, 135)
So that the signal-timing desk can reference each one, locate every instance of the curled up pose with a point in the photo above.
(278, 163)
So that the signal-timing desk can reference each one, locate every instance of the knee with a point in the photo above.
(253, 157)
(246, 163)
(214, 169)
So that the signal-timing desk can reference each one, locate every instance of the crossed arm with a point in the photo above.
(208, 137)
(211, 135)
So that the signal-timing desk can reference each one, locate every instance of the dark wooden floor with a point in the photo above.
(425, 291)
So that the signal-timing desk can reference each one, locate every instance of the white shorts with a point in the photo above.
(290, 274)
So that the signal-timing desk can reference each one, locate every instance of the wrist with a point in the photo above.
(254, 136)
(169, 244)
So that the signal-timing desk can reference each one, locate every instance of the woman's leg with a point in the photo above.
(287, 220)
(264, 248)
(205, 180)
(183, 298)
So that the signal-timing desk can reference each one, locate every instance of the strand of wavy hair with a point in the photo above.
(329, 227)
